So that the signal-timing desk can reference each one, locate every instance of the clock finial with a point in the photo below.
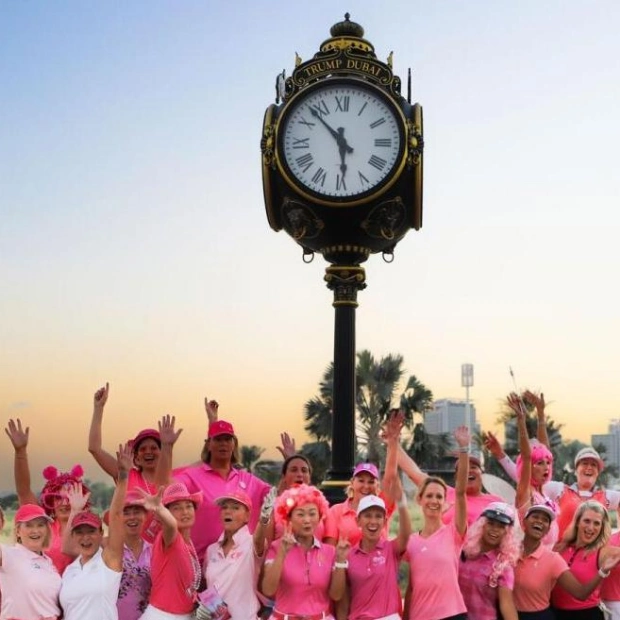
(347, 28)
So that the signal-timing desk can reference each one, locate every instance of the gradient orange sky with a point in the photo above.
(134, 246)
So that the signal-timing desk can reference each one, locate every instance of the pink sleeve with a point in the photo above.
(559, 565)
(507, 578)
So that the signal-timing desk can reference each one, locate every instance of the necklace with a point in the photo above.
(193, 557)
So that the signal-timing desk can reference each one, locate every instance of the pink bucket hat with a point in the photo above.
(220, 427)
(28, 512)
(369, 468)
(237, 496)
(177, 492)
(86, 518)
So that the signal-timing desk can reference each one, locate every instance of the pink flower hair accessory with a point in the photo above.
(299, 495)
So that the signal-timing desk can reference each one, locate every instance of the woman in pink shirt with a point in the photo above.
(433, 553)
(539, 569)
(303, 575)
(585, 550)
(175, 569)
(29, 580)
(372, 575)
(486, 573)
(534, 469)
(54, 495)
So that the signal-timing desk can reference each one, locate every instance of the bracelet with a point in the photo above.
(463, 449)
(603, 573)
(344, 564)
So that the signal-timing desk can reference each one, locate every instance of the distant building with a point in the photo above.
(448, 414)
(611, 442)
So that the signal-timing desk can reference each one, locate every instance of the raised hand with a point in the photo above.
(77, 498)
(462, 436)
(288, 447)
(266, 508)
(124, 457)
(211, 409)
(535, 400)
(151, 502)
(287, 540)
(342, 549)
(17, 435)
(167, 433)
(492, 444)
(101, 396)
(516, 404)
(394, 425)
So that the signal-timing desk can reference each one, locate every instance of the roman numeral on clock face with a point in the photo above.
(305, 161)
(342, 103)
(319, 177)
(377, 162)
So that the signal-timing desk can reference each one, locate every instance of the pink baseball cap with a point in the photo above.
(133, 498)
(146, 433)
(369, 468)
(238, 496)
(28, 512)
(86, 518)
(177, 492)
(220, 427)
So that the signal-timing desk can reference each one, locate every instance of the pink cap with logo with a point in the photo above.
(86, 518)
(220, 427)
(369, 468)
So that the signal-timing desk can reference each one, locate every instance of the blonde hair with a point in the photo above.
(205, 455)
(48, 534)
(432, 480)
(570, 537)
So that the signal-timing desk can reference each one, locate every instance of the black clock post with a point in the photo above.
(342, 175)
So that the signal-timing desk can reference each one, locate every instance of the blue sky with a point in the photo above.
(134, 246)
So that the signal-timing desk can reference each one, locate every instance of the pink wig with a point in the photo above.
(55, 486)
(299, 495)
(508, 552)
(540, 452)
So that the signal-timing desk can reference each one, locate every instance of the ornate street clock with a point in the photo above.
(342, 156)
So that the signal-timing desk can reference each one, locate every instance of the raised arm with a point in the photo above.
(410, 467)
(392, 479)
(272, 570)
(169, 526)
(287, 445)
(21, 469)
(463, 439)
(104, 459)
(211, 409)
(338, 582)
(492, 444)
(538, 401)
(77, 502)
(168, 437)
(524, 490)
(113, 551)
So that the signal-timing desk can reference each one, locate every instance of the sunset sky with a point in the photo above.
(134, 246)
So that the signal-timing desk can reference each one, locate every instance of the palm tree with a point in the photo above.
(249, 455)
(378, 383)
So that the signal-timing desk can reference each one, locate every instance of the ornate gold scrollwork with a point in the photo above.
(416, 139)
(345, 281)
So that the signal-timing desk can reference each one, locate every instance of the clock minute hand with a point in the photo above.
(343, 149)
(318, 116)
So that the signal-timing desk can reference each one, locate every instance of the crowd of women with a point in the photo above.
(211, 541)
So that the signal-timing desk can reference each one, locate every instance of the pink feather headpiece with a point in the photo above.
(56, 483)
(299, 495)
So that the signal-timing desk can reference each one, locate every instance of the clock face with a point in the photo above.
(341, 141)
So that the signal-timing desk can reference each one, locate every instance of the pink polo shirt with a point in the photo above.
(173, 575)
(234, 575)
(584, 565)
(304, 582)
(535, 576)
(341, 521)
(30, 584)
(610, 590)
(373, 581)
(208, 525)
(475, 505)
(434, 564)
(480, 596)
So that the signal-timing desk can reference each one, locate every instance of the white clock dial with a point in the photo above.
(341, 140)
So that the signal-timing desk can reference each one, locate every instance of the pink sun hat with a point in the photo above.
(177, 492)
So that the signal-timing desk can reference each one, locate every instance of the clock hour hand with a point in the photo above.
(341, 141)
